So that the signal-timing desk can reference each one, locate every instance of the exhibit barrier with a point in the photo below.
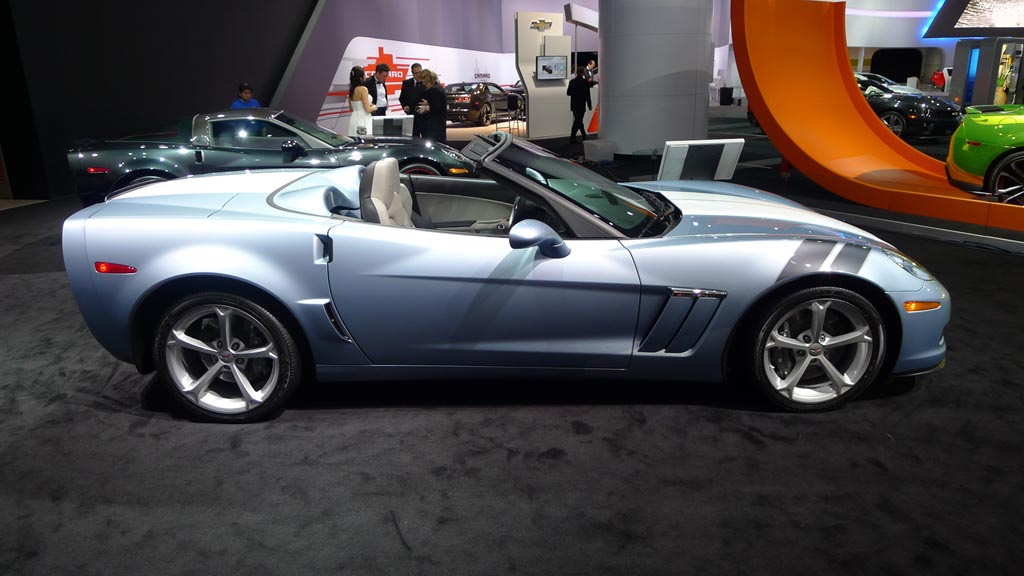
(827, 130)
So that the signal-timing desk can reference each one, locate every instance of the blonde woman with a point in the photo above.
(433, 108)
(361, 122)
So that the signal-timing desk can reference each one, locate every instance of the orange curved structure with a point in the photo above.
(795, 68)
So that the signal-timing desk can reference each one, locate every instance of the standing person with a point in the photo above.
(361, 123)
(433, 108)
(245, 99)
(377, 86)
(591, 73)
(412, 87)
(579, 101)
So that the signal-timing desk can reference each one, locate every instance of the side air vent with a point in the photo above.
(683, 320)
(336, 322)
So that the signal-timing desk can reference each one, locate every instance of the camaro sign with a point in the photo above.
(451, 65)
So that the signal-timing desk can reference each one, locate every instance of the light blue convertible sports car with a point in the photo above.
(236, 287)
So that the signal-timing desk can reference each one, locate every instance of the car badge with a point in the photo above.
(541, 24)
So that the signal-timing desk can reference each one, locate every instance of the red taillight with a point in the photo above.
(97, 170)
(462, 98)
(111, 268)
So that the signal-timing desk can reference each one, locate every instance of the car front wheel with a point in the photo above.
(420, 168)
(895, 122)
(1006, 181)
(224, 358)
(817, 349)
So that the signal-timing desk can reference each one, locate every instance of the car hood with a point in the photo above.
(724, 209)
(407, 143)
(932, 102)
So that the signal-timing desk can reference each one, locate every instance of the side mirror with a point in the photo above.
(292, 146)
(530, 233)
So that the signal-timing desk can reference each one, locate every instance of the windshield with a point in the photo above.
(633, 213)
(313, 130)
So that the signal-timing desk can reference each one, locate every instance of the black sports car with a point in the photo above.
(245, 139)
(910, 114)
(483, 102)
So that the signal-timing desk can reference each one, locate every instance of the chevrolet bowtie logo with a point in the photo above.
(541, 24)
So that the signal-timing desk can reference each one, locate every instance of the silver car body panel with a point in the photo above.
(378, 302)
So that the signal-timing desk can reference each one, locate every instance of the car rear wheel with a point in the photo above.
(420, 168)
(1006, 180)
(895, 122)
(486, 116)
(224, 358)
(817, 349)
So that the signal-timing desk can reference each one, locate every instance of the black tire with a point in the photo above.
(204, 372)
(895, 121)
(486, 117)
(420, 168)
(803, 368)
(1005, 180)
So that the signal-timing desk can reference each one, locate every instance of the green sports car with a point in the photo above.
(986, 153)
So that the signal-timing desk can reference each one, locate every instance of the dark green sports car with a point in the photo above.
(986, 153)
(245, 139)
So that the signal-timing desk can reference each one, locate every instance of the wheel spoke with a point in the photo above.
(818, 312)
(1017, 168)
(791, 380)
(777, 341)
(198, 387)
(855, 337)
(252, 397)
(837, 379)
(186, 341)
(267, 351)
(1017, 197)
(224, 316)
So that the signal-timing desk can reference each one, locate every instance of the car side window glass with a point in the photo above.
(494, 89)
(249, 134)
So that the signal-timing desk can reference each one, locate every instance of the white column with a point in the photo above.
(656, 59)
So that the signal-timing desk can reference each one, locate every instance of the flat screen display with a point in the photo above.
(552, 67)
(977, 19)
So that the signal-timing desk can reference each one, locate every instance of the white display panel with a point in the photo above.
(700, 159)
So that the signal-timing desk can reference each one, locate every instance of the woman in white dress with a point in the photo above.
(361, 121)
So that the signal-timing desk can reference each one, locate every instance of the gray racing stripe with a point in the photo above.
(851, 258)
(809, 257)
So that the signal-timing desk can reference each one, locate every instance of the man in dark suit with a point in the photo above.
(579, 101)
(412, 88)
(378, 88)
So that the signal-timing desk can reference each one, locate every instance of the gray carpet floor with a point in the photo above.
(98, 476)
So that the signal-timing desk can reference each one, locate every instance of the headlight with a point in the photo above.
(909, 265)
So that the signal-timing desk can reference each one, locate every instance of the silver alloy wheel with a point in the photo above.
(819, 350)
(485, 115)
(1008, 180)
(895, 122)
(222, 359)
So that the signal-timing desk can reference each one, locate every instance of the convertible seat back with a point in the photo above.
(380, 195)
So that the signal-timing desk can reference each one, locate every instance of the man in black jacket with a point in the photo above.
(579, 101)
(378, 89)
(412, 87)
